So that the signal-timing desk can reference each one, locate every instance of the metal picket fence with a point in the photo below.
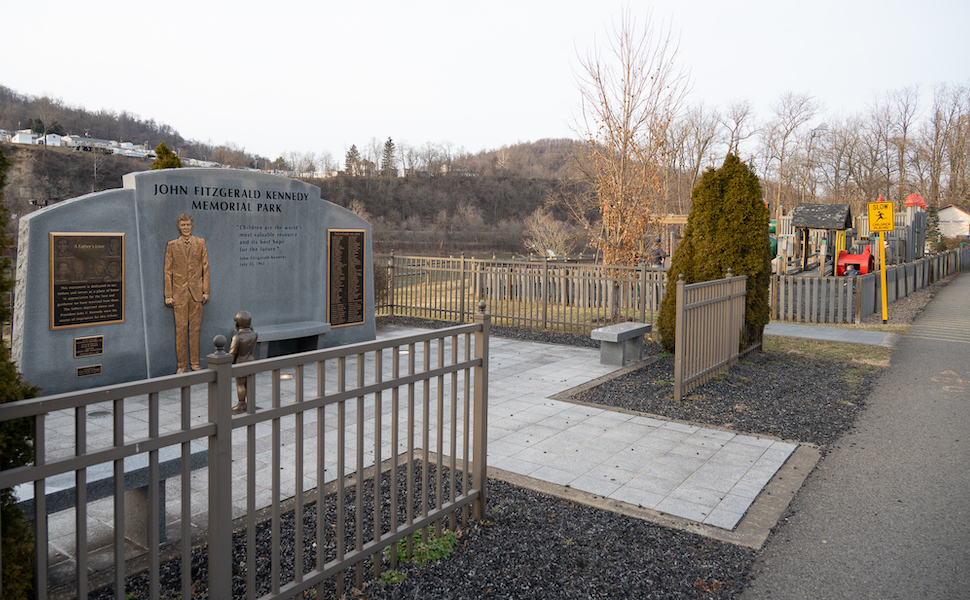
(709, 330)
(343, 453)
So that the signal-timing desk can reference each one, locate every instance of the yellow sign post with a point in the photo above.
(882, 219)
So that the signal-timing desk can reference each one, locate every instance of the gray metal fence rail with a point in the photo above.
(332, 421)
(709, 329)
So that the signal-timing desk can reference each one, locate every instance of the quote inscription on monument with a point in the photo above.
(87, 284)
(345, 259)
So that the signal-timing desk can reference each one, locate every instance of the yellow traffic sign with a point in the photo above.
(881, 216)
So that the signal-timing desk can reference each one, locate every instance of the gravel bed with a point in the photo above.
(533, 545)
(530, 546)
(789, 396)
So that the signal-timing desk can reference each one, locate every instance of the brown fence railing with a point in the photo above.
(543, 295)
(709, 329)
(343, 453)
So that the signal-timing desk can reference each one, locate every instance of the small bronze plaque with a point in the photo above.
(87, 279)
(87, 371)
(88, 346)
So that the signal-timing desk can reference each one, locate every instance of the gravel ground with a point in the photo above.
(537, 546)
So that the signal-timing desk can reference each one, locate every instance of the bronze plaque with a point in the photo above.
(88, 346)
(345, 259)
(87, 279)
(87, 371)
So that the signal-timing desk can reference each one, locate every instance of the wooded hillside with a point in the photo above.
(451, 213)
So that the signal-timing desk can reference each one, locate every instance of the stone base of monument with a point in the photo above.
(61, 490)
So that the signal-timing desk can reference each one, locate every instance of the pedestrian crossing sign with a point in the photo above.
(881, 216)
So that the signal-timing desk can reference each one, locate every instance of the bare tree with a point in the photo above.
(693, 141)
(430, 158)
(904, 105)
(805, 162)
(328, 164)
(838, 159)
(307, 165)
(872, 171)
(357, 207)
(545, 234)
(373, 150)
(631, 92)
(958, 152)
(702, 125)
(737, 121)
(791, 113)
(409, 158)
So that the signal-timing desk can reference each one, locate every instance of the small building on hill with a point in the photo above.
(24, 136)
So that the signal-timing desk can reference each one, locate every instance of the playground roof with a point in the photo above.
(822, 216)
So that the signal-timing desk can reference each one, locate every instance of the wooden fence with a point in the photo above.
(543, 295)
(709, 330)
(577, 297)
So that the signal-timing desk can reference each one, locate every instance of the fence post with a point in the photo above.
(544, 291)
(480, 400)
(643, 294)
(220, 472)
(390, 293)
(679, 341)
(462, 292)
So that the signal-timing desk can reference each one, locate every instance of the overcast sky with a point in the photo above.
(275, 77)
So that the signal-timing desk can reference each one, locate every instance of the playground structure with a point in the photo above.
(826, 239)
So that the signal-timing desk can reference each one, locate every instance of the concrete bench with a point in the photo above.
(61, 490)
(621, 342)
(289, 338)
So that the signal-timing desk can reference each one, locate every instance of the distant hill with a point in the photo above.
(16, 110)
(541, 159)
(465, 202)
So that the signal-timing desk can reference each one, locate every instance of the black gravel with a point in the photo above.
(534, 545)
(789, 396)
(530, 546)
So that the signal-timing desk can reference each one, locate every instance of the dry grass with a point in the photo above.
(853, 353)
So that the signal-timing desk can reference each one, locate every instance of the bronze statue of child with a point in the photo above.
(243, 349)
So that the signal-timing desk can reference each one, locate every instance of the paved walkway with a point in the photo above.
(833, 334)
(887, 512)
(706, 475)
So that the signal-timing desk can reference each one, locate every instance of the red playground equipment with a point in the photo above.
(863, 262)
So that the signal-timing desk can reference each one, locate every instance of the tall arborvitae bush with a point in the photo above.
(727, 228)
(16, 446)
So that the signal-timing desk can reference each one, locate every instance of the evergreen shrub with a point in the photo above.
(727, 228)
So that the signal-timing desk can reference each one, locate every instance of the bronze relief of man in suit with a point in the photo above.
(186, 290)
